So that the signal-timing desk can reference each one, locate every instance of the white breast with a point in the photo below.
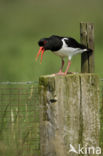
(66, 51)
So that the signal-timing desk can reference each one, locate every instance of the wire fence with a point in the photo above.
(19, 119)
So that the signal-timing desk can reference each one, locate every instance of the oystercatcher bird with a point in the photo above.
(63, 47)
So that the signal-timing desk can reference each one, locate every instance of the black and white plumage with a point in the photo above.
(63, 47)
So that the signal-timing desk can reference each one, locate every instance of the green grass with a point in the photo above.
(23, 23)
(19, 120)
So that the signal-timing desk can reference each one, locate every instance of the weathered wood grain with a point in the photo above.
(87, 38)
(69, 113)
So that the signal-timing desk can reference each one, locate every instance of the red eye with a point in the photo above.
(45, 42)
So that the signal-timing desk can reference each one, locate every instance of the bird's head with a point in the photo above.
(44, 45)
(52, 43)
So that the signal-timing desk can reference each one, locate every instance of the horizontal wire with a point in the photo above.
(25, 82)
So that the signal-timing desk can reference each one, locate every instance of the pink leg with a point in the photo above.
(60, 71)
(66, 71)
(61, 66)
(68, 66)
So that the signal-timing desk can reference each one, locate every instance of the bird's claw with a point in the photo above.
(60, 73)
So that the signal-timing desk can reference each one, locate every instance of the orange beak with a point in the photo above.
(41, 50)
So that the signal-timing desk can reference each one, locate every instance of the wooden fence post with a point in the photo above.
(69, 114)
(87, 38)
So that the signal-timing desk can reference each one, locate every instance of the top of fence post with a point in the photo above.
(87, 38)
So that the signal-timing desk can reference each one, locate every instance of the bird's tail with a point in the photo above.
(89, 51)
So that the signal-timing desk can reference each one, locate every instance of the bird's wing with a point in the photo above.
(71, 42)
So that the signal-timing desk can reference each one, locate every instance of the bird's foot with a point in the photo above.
(63, 73)
(60, 73)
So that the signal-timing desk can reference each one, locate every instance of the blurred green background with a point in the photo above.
(24, 22)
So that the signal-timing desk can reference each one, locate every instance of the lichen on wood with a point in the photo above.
(69, 113)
